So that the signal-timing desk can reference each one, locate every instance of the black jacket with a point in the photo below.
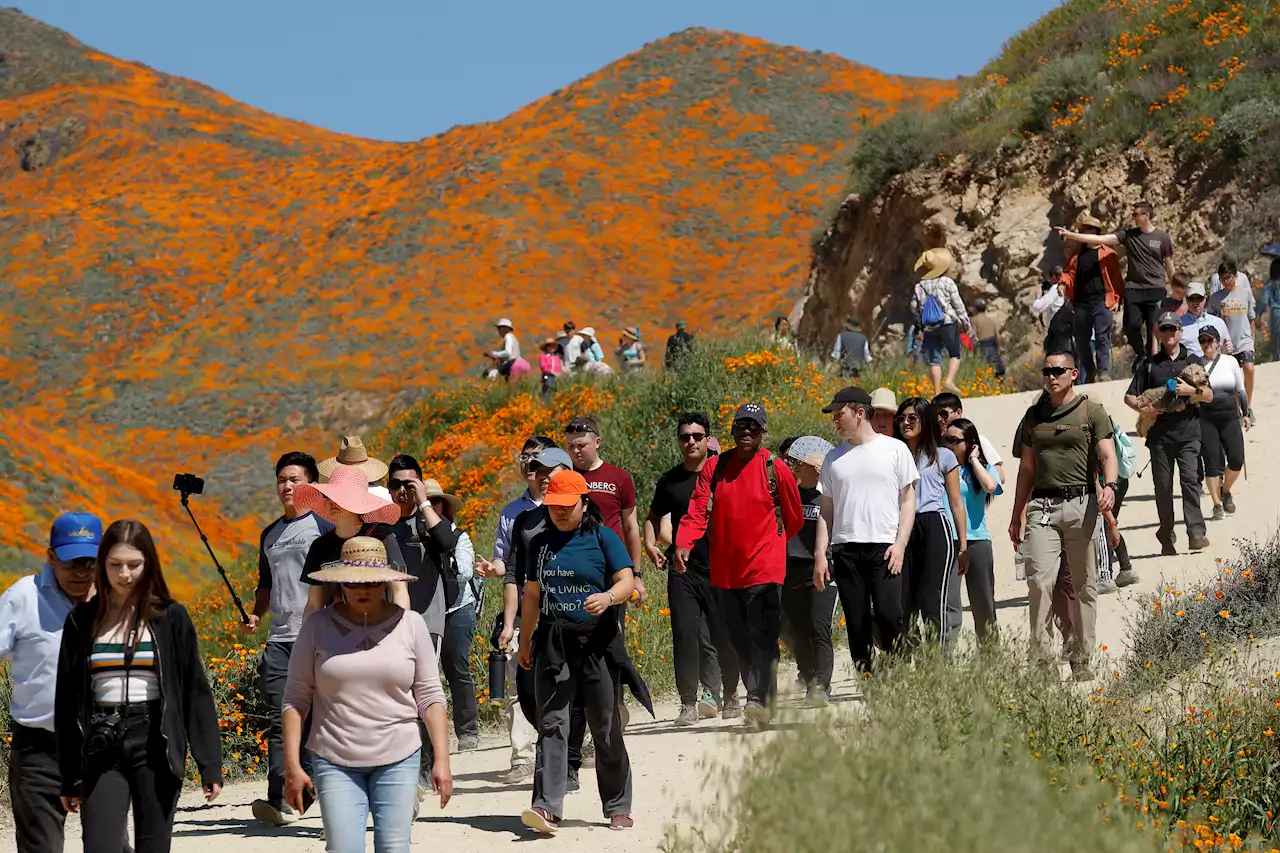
(188, 714)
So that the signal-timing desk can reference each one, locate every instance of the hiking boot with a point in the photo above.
(732, 708)
(1128, 577)
(519, 772)
(1107, 587)
(818, 697)
(540, 820)
(688, 716)
(1199, 543)
(755, 717)
(621, 822)
(274, 812)
(1218, 513)
(1228, 503)
(801, 687)
(1104, 376)
(467, 743)
(573, 783)
(1081, 672)
(708, 706)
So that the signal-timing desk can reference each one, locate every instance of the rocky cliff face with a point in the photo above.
(997, 219)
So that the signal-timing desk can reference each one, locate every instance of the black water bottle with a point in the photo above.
(497, 674)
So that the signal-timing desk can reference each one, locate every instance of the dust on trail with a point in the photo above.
(670, 764)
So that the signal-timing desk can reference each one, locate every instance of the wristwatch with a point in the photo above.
(1111, 486)
(612, 598)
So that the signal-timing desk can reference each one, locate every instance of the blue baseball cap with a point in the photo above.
(75, 535)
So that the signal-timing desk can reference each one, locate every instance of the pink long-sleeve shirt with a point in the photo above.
(365, 699)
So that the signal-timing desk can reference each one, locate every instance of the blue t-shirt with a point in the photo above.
(931, 489)
(574, 566)
(975, 502)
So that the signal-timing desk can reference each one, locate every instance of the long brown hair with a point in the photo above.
(150, 595)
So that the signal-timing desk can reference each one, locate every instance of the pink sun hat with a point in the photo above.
(349, 489)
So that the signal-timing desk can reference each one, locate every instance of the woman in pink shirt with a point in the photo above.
(367, 674)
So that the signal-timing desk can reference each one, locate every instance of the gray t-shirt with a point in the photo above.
(1146, 253)
(1238, 309)
(282, 551)
(931, 489)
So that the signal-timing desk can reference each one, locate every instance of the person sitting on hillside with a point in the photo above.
(631, 350)
(936, 302)
(986, 335)
(851, 349)
(505, 356)
(592, 358)
(677, 345)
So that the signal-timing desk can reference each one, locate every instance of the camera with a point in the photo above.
(188, 484)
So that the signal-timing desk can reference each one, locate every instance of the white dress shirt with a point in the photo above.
(32, 613)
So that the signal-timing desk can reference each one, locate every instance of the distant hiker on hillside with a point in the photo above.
(1150, 268)
(1197, 319)
(677, 344)
(1269, 307)
(1094, 286)
(550, 365)
(1223, 421)
(936, 302)
(282, 551)
(570, 346)
(756, 510)
(630, 350)
(1174, 437)
(592, 358)
(1235, 304)
(986, 336)
(851, 349)
(504, 357)
(782, 338)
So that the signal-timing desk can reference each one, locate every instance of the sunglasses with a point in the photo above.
(749, 426)
(369, 585)
(1054, 372)
(952, 440)
(1206, 341)
(1171, 328)
(1195, 299)
(908, 419)
(691, 436)
(399, 485)
(82, 564)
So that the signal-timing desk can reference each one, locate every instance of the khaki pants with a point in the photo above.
(1055, 527)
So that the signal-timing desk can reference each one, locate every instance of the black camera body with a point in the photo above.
(188, 484)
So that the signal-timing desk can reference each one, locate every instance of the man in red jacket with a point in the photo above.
(756, 510)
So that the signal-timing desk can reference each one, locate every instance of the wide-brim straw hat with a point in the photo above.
(434, 491)
(632, 332)
(935, 263)
(1087, 221)
(352, 453)
(363, 560)
(550, 342)
(348, 489)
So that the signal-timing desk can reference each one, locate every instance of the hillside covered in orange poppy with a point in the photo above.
(188, 283)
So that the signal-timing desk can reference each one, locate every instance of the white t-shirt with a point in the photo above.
(864, 482)
(989, 451)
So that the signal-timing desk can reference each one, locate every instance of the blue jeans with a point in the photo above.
(348, 794)
(455, 660)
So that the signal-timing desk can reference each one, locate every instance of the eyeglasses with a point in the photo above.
(908, 419)
(1054, 372)
(951, 440)
(691, 436)
(399, 485)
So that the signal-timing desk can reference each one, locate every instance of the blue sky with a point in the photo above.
(405, 69)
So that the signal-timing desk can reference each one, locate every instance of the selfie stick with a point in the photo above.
(244, 617)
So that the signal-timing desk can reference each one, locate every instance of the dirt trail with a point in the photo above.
(668, 763)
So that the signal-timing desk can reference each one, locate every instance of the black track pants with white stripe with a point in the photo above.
(933, 586)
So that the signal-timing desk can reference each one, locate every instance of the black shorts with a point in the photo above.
(1245, 356)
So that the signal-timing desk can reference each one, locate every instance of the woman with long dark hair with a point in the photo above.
(937, 552)
(979, 483)
(131, 696)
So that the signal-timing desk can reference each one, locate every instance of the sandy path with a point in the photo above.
(668, 763)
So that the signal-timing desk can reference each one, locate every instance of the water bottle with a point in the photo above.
(1019, 564)
(497, 674)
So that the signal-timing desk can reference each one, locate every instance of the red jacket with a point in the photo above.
(745, 546)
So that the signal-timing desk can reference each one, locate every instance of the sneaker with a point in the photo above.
(518, 773)
(275, 813)
(467, 743)
(688, 716)
(1199, 543)
(1128, 577)
(801, 687)
(755, 717)
(1228, 503)
(589, 754)
(818, 697)
(1104, 376)
(573, 783)
(1081, 672)
(1107, 587)
(539, 820)
(1218, 513)
(1167, 550)
(732, 708)
(621, 822)
(708, 706)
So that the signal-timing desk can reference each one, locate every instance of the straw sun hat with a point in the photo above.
(935, 263)
(433, 490)
(348, 489)
(352, 453)
(363, 560)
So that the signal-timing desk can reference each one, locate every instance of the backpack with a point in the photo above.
(932, 313)
(771, 472)
(1126, 456)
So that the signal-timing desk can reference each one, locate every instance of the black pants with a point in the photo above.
(990, 351)
(1222, 440)
(273, 672)
(700, 642)
(980, 580)
(1185, 453)
(134, 774)
(809, 613)
(588, 676)
(1120, 553)
(932, 585)
(753, 616)
(868, 592)
(1093, 340)
(1141, 306)
(34, 785)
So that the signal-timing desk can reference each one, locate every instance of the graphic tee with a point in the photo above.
(573, 566)
(864, 482)
(1238, 309)
(282, 552)
(613, 491)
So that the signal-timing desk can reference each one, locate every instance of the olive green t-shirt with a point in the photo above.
(1063, 447)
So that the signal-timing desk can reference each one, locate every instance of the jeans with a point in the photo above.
(1165, 453)
(455, 660)
(1058, 528)
(700, 643)
(944, 337)
(273, 672)
(1141, 306)
(34, 783)
(753, 615)
(809, 613)
(990, 352)
(861, 573)
(1093, 340)
(134, 774)
(348, 794)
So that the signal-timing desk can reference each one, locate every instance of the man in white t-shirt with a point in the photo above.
(868, 507)
(949, 407)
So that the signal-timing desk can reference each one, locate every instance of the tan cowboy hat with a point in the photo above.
(935, 262)
(632, 332)
(352, 453)
(363, 560)
(348, 489)
(549, 342)
(1085, 220)
(434, 491)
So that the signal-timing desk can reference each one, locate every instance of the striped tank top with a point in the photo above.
(107, 669)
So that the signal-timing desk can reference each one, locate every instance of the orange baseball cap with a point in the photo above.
(565, 488)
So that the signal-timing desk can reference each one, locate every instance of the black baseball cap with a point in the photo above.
(1208, 332)
(1169, 319)
(582, 425)
(752, 412)
(845, 396)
